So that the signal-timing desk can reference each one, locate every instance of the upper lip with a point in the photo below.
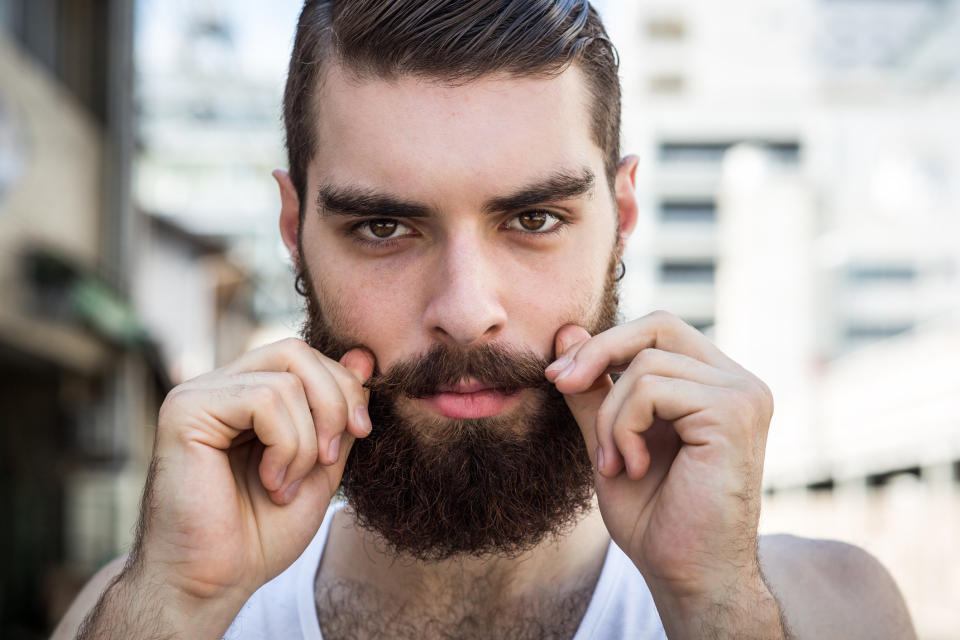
(465, 386)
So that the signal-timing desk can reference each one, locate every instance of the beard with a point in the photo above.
(433, 488)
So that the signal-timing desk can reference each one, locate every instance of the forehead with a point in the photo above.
(426, 139)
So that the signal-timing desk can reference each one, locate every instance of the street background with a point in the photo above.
(800, 204)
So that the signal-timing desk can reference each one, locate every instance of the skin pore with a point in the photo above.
(479, 243)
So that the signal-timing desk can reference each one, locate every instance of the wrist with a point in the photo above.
(140, 606)
(740, 606)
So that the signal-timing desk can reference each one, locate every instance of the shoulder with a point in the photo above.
(830, 589)
(87, 599)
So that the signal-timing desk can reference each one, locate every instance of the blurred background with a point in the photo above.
(800, 189)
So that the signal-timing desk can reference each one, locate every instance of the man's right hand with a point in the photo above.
(247, 458)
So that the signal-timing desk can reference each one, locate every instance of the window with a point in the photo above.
(687, 271)
(876, 274)
(688, 211)
(665, 29)
(666, 83)
(712, 152)
(693, 152)
(869, 332)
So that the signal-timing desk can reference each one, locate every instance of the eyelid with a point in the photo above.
(559, 222)
(356, 229)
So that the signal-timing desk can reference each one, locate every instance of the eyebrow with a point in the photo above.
(560, 185)
(357, 202)
(360, 203)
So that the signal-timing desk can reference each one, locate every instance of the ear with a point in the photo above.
(289, 213)
(625, 188)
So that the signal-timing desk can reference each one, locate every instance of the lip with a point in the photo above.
(470, 399)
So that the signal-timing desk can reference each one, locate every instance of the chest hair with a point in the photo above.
(355, 611)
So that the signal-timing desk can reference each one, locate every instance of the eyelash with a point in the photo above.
(388, 243)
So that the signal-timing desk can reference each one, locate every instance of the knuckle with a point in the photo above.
(648, 359)
(646, 382)
(660, 315)
(605, 416)
(332, 413)
(177, 400)
(766, 398)
(265, 397)
(309, 449)
(290, 382)
(743, 404)
(175, 397)
(294, 347)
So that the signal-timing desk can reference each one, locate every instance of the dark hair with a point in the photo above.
(453, 41)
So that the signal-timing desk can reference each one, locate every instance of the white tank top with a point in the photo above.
(284, 608)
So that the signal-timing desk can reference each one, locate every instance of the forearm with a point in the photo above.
(746, 610)
(137, 608)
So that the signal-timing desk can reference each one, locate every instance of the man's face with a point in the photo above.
(468, 223)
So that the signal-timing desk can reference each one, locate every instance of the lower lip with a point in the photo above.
(479, 404)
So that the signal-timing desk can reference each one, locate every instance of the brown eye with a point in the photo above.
(532, 220)
(382, 228)
(536, 222)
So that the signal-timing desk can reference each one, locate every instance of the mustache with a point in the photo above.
(509, 370)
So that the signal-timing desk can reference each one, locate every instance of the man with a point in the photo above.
(515, 463)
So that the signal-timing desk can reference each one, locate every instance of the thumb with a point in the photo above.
(360, 362)
(567, 337)
(584, 405)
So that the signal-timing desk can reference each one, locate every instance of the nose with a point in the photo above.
(465, 306)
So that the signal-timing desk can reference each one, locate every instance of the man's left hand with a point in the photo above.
(678, 446)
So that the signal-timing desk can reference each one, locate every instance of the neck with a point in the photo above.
(556, 567)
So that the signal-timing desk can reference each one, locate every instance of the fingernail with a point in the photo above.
(363, 419)
(560, 364)
(290, 492)
(600, 458)
(333, 451)
(567, 371)
(280, 477)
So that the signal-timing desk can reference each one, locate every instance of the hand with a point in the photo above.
(246, 460)
(678, 444)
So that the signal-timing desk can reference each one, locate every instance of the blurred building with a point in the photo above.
(800, 174)
(208, 87)
(102, 306)
(800, 180)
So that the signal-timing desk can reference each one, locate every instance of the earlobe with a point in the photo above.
(625, 189)
(289, 213)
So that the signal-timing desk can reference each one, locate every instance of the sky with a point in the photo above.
(263, 32)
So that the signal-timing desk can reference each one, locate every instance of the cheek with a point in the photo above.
(376, 310)
(554, 293)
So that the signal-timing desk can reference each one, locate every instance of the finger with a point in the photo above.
(632, 447)
(315, 490)
(284, 394)
(616, 347)
(273, 406)
(626, 421)
(660, 363)
(584, 405)
(567, 342)
(331, 411)
(676, 401)
(270, 420)
(358, 363)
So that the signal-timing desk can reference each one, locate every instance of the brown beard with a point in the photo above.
(435, 488)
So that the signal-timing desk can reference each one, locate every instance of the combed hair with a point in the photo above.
(453, 41)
